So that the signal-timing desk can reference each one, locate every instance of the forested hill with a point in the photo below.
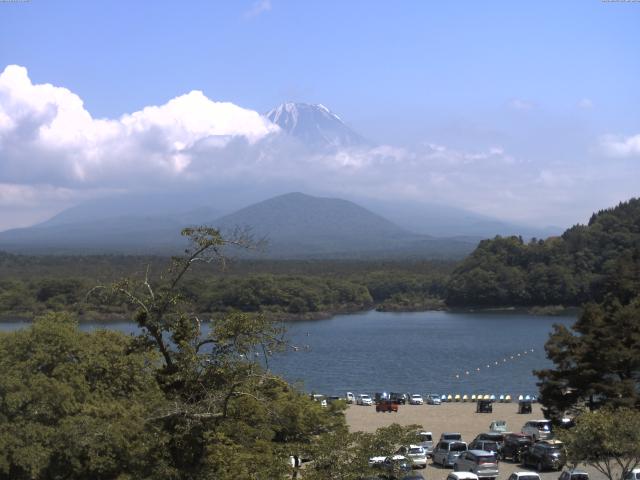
(579, 266)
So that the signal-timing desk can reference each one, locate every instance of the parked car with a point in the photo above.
(514, 445)
(433, 399)
(486, 445)
(447, 451)
(538, 429)
(462, 476)
(545, 456)
(482, 463)
(399, 398)
(633, 474)
(316, 397)
(364, 399)
(493, 436)
(451, 436)
(394, 463)
(386, 406)
(498, 426)
(416, 453)
(574, 474)
(416, 399)
(379, 396)
(425, 440)
(350, 397)
(484, 406)
(524, 406)
(524, 476)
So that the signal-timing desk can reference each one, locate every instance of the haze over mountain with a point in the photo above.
(315, 126)
(295, 226)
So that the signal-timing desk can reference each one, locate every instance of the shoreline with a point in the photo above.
(543, 311)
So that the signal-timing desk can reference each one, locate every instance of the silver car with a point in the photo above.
(447, 452)
(538, 429)
(425, 440)
(482, 463)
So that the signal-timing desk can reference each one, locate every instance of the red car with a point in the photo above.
(386, 406)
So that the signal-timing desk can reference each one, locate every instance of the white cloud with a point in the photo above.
(47, 135)
(54, 153)
(620, 146)
(258, 8)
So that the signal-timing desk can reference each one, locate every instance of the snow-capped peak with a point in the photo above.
(315, 125)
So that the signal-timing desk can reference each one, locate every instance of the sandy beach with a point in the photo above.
(452, 417)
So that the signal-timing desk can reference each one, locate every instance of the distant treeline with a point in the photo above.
(31, 285)
(584, 264)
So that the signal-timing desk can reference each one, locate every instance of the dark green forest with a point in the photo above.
(584, 264)
(30, 285)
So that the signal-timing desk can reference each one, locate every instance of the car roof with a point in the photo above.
(527, 473)
(481, 453)
(427, 433)
(464, 475)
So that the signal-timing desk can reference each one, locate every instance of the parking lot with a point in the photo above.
(452, 417)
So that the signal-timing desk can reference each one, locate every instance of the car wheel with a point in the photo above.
(539, 467)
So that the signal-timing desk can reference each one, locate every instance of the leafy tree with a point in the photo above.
(608, 440)
(344, 455)
(74, 405)
(595, 364)
(226, 415)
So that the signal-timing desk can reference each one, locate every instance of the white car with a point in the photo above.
(416, 399)
(524, 476)
(633, 474)
(426, 441)
(316, 397)
(538, 429)
(364, 399)
(351, 398)
(462, 476)
(433, 399)
(418, 455)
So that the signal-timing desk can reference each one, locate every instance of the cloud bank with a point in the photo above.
(54, 153)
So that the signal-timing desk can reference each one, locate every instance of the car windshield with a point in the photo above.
(425, 437)
(544, 426)
(554, 449)
(416, 396)
(458, 447)
(529, 477)
(490, 446)
(452, 436)
(579, 476)
(416, 451)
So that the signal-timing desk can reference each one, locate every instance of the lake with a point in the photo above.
(416, 352)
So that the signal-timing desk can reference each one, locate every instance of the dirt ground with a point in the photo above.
(452, 417)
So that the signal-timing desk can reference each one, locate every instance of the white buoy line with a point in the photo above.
(494, 364)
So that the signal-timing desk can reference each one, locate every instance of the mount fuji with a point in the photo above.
(315, 126)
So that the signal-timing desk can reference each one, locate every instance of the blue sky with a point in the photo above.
(548, 82)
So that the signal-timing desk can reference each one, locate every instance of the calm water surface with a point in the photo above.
(409, 352)
(419, 352)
